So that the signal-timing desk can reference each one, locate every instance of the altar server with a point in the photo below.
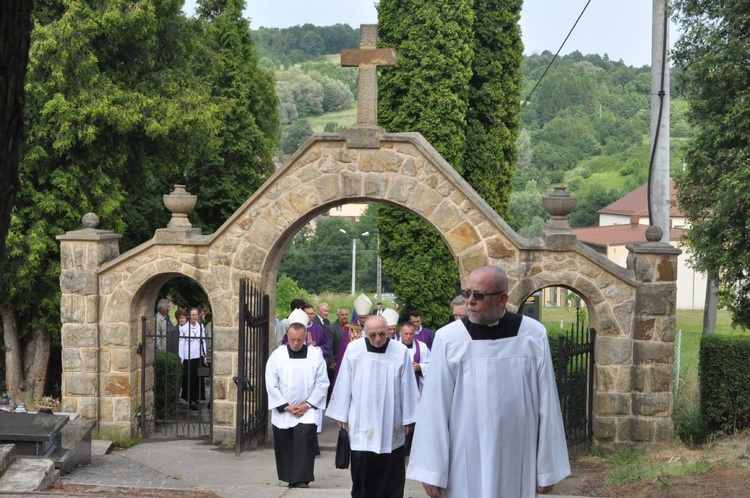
(297, 385)
(376, 396)
(489, 420)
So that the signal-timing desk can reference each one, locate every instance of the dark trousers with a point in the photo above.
(377, 475)
(192, 385)
(295, 450)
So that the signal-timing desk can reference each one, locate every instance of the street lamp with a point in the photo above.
(354, 253)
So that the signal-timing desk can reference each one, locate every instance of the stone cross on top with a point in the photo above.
(368, 58)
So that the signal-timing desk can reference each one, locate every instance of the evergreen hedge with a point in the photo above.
(725, 382)
(167, 384)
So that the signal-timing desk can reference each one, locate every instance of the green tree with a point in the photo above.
(493, 115)
(589, 202)
(294, 135)
(713, 193)
(457, 84)
(120, 104)
(249, 126)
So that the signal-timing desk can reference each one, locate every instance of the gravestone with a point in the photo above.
(34, 434)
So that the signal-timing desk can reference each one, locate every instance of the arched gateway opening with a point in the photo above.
(105, 294)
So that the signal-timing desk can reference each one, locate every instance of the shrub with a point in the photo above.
(725, 382)
(167, 384)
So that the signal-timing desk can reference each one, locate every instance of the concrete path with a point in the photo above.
(196, 464)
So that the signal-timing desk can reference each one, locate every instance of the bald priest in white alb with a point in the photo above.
(376, 396)
(489, 422)
(297, 385)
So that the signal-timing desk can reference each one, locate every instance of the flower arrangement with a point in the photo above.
(48, 402)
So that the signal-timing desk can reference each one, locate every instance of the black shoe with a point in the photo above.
(299, 485)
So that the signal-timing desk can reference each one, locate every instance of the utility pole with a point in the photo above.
(658, 187)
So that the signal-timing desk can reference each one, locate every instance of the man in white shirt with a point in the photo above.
(297, 385)
(489, 420)
(375, 394)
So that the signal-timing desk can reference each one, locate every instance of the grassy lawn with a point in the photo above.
(689, 327)
(342, 118)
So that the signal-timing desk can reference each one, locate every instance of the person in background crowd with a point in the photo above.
(391, 318)
(362, 307)
(192, 350)
(163, 323)
(322, 317)
(283, 324)
(336, 331)
(460, 309)
(421, 333)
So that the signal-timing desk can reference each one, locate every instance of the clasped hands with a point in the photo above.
(297, 410)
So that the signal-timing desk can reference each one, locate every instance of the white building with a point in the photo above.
(625, 221)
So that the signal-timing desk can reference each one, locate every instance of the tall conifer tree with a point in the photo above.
(457, 82)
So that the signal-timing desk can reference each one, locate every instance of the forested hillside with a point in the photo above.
(585, 126)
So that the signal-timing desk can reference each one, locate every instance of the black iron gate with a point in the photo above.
(575, 386)
(166, 381)
(252, 355)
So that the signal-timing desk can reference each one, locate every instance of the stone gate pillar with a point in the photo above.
(82, 252)
(655, 266)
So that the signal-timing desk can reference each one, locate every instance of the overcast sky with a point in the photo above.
(619, 28)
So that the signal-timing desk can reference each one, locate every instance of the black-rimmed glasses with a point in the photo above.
(479, 296)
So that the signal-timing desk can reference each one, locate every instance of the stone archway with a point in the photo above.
(101, 289)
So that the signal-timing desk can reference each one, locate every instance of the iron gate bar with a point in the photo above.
(575, 374)
(252, 351)
(143, 376)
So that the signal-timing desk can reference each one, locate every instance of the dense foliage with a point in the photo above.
(456, 81)
(586, 126)
(713, 54)
(124, 99)
(288, 46)
(725, 382)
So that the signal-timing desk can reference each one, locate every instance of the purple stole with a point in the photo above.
(342, 350)
(417, 357)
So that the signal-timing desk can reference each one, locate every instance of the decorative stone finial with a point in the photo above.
(559, 204)
(90, 220)
(654, 233)
(180, 203)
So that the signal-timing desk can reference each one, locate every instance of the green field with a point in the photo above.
(342, 118)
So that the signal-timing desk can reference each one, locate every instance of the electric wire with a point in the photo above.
(556, 54)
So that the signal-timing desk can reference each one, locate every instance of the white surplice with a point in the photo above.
(376, 395)
(293, 381)
(489, 422)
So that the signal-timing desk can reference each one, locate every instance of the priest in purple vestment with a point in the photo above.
(421, 333)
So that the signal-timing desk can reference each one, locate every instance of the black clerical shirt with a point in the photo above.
(508, 326)
(373, 349)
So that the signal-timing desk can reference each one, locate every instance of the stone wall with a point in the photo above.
(404, 171)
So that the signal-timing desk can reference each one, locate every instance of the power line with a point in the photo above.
(556, 54)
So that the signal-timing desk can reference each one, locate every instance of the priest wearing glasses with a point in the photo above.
(489, 421)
